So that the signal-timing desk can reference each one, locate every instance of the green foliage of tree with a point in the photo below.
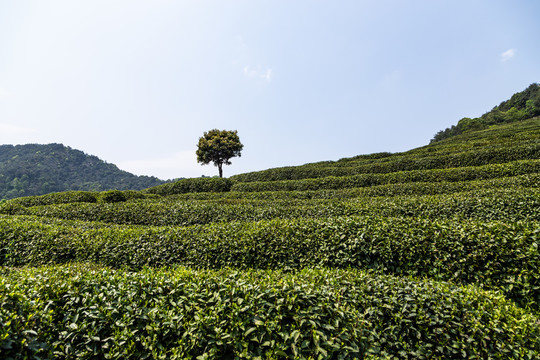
(521, 106)
(33, 169)
(218, 147)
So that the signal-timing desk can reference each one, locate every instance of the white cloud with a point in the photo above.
(265, 75)
(508, 54)
(249, 73)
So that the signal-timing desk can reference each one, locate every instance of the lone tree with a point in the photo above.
(218, 146)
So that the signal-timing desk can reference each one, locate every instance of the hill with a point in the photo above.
(430, 253)
(40, 169)
(521, 106)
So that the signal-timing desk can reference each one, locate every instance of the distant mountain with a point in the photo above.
(40, 169)
(521, 106)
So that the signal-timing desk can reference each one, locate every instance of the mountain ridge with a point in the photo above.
(38, 169)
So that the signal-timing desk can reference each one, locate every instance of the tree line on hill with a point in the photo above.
(521, 106)
(35, 169)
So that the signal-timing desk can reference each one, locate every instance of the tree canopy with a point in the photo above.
(34, 169)
(521, 106)
(218, 147)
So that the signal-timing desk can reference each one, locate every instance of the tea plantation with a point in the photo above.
(431, 253)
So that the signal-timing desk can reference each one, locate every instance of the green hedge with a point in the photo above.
(475, 157)
(363, 180)
(495, 254)
(507, 134)
(92, 312)
(70, 197)
(55, 198)
(387, 190)
(482, 204)
(193, 185)
(496, 145)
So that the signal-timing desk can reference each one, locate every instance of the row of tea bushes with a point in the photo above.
(505, 135)
(514, 168)
(501, 144)
(114, 196)
(476, 157)
(91, 312)
(193, 185)
(68, 197)
(410, 188)
(486, 204)
(497, 255)
(500, 133)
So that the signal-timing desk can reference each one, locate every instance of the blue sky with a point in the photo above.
(136, 83)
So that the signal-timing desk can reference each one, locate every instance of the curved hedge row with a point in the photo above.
(92, 312)
(192, 185)
(411, 188)
(498, 132)
(69, 197)
(454, 174)
(505, 141)
(475, 157)
(495, 254)
(499, 204)
(55, 198)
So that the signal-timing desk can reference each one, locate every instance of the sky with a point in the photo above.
(136, 82)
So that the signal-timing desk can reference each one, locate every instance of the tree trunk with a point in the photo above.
(220, 168)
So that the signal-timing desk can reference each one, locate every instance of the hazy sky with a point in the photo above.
(136, 83)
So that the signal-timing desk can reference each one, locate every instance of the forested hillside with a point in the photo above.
(521, 106)
(427, 254)
(40, 169)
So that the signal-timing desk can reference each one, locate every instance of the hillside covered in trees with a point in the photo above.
(521, 106)
(34, 169)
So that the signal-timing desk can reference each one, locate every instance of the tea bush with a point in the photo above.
(440, 261)
(112, 196)
(55, 198)
(454, 174)
(495, 254)
(192, 185)
(482, 204)
(498, 145)
(476, 157)
(386, 190)
(92, 312)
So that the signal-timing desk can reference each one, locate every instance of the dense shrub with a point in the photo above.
(386, 190)
(500, 144)
(476, 227)
(192, 185)
(363, 180)
(482, 204)
(495, 254)
(92, 312)
(112, 196)
(476, 157)
(55, 198)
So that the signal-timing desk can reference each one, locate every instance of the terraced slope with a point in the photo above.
(432, 253)
(496, 145)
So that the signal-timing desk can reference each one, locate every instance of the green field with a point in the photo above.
(431, 253)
